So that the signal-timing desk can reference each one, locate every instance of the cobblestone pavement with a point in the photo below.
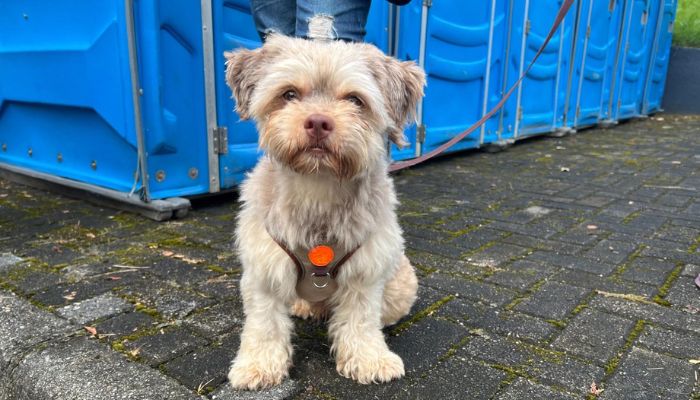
(543, 269)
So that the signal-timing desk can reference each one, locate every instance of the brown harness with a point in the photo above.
(315, 283)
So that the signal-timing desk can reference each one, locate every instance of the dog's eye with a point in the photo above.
(355, 100)
(290, 95)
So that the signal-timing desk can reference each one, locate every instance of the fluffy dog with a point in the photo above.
(324, 112)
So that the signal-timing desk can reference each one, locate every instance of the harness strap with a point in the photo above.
(333, 271)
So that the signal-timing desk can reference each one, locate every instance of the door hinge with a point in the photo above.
(588, 31)
(420, 134)
(519, 113)
(527, 27)
(611, 6)
(221, 140)
(428, 3)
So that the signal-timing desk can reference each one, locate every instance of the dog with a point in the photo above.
(325, 111)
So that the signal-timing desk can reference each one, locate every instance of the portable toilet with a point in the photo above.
(598, 30)
(638, 29)
(126, 100)
(661, 50)
(537, 106)
(461, 45)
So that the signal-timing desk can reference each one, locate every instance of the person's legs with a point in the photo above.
(274, 16)
(332, 19)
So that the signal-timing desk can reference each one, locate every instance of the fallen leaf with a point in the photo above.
(91, 330)
(594, 389)
(114, 278)
(565, 169)
(694, 361)
(90, 235)
(592, 227)
(167, 253)
(135, 352)
(70, 296)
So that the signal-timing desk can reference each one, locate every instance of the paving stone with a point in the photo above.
(553, 300)
(496, 255)
(424, 342)
(218, 319)
(572, 262)
(160, 347)
(525, 389)
(678, 344)
(611, 252)
(476, 382)
(648, 270)
(496, 350)
(125, 324)
(22, 327)
(490, 294)
(286, 390)
(180, 272)
(521, 274)
(608, 284)
(479, 316)
(82, 369)
(566, 372)
(648, 312)
(595, 335)
(647, 375)
(203, 368)
(8, 260)
(684, 293)
(102, 306)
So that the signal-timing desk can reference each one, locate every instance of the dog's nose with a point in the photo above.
(318, 126)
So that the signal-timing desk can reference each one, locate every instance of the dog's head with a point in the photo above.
(324, 106)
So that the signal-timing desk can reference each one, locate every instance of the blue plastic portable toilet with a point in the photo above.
(127, 99)
(74, 110)
(661, 50)
(598, 28)
(461, 46)
(639, 23)
(538, 104)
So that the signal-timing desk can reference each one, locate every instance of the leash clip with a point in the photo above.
(315, 281)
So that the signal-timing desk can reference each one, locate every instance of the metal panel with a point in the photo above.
(656, 77)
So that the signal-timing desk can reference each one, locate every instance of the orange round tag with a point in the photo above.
(321, 256)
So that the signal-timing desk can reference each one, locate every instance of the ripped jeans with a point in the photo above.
(331, 19)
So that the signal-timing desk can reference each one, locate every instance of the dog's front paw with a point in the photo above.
(383, 367)
(254, 375)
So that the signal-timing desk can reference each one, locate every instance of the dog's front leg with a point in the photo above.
(358, 342)
(265, 355)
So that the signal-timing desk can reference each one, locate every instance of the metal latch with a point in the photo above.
(420, 134)
(221, 140)
(427, 3)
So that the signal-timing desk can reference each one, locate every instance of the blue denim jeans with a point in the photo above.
(339, 19)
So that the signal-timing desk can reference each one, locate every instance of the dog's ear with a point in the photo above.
(401, 83)
(243, 70)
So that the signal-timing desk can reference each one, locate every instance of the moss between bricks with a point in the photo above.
(659, 298)
(618, 273)
(519, 299)
(612, 364)
(420, 315)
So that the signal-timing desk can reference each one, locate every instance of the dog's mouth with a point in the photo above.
(317, 149)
